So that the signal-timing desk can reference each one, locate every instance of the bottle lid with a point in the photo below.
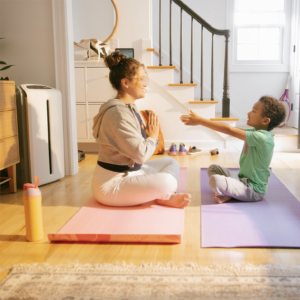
(27, 186)
(31, 185)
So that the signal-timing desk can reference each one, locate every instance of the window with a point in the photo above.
(259, 35)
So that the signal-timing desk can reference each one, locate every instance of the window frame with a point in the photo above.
(259, 65)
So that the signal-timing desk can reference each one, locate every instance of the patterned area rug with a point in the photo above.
(147, 282)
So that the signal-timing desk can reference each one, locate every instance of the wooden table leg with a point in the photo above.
(13, 182)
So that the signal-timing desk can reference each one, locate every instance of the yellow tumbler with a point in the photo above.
(32, 199)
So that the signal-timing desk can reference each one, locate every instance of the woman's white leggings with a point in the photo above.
(157, 179)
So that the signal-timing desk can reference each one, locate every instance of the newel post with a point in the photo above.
(226, 99)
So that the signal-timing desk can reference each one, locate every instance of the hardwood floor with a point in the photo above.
(62, 199)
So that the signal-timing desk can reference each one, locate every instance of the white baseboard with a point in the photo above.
(282, 144)
(203, 145)
(88, 147)
(286, 144)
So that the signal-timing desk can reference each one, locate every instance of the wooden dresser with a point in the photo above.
(9, 141)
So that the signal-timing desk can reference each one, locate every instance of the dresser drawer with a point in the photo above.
(98, 87)
(9, 151)
(7, 95)
(8, 124)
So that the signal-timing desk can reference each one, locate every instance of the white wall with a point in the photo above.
(28, 44)
(245, 88)
(92, 19)
(135, 23)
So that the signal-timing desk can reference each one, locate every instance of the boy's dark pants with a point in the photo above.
(225, 182)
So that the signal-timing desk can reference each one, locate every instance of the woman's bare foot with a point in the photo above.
(180, 200)
(221, 199)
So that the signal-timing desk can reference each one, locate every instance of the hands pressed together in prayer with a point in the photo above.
(152, 128)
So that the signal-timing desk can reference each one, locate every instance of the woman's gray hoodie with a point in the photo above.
(118, 132)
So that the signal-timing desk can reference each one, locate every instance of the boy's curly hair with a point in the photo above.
(273, 109)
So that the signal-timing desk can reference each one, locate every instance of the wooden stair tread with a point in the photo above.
(285, 135)
(224, 119)
(153, 50)
(182, 84)
(285, 131)
(161, 67)
(204, 102)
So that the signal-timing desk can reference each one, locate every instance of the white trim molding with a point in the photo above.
(65, 78)
(259, 66)
(295, 63)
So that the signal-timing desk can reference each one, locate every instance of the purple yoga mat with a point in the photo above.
(272, 222)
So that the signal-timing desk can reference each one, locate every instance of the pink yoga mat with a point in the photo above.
(272, 222)
(147, 223)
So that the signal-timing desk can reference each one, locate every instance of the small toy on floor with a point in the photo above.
(214, 151)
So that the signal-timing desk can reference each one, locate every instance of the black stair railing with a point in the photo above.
(213, 31)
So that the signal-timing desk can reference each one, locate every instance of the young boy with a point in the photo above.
(250, 184)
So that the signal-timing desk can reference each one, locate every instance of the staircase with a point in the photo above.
(170, 99)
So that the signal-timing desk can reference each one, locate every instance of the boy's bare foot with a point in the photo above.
(180, 200)
(221, 199)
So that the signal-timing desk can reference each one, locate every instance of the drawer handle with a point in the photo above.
(106, 76)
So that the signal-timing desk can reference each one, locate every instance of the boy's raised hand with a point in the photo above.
(191, 119)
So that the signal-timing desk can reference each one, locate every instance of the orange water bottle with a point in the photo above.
(32, 200)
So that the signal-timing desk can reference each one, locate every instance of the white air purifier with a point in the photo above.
(40, 127)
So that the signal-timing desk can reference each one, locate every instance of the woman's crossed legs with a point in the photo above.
(157, 180)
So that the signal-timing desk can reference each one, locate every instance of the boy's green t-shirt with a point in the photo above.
(256, 158)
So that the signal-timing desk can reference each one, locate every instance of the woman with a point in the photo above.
(122, 176)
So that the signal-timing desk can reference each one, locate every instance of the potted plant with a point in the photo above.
(5, 67)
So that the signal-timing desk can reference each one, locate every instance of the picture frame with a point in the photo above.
(129, 52)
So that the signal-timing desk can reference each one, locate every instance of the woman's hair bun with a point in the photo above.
(113, 59)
